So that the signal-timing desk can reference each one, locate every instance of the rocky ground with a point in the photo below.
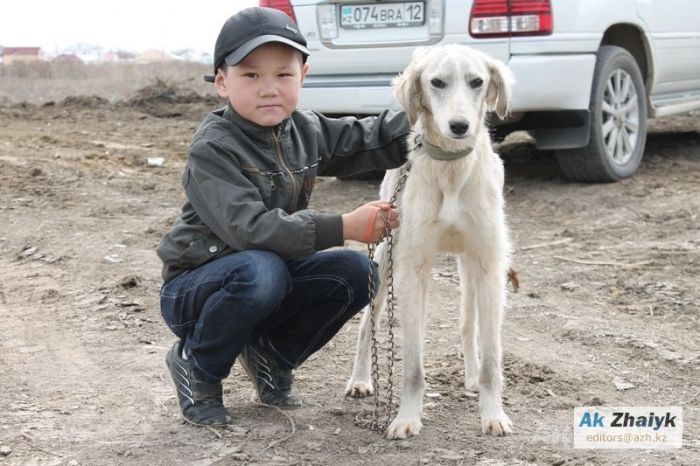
(607, 313)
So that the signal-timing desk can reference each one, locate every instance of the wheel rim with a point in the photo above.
(620, 117)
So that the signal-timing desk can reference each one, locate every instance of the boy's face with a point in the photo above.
(264, 87)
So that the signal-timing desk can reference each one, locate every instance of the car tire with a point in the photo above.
(618, 122)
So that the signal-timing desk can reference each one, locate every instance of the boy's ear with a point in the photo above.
(304, 72)
(220, 84)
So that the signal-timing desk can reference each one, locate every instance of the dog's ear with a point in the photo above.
(500, 84)
(407, 89)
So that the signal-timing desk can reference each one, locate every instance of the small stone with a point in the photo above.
(155, 161)
(337, 410)
(621, 384)
(130, 281)
(28, 251)
(5, 450)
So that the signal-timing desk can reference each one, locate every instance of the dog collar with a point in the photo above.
(438, 154)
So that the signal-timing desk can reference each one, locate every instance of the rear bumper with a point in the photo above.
(543, 83)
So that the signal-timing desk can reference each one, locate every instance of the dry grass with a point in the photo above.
(41, 82)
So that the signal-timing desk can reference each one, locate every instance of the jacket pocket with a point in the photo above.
(265, 181)
(201, 250)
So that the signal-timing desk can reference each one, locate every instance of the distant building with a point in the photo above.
(111, 57)
(87, 53)
(154, 56)
(67, 58)
(20, 54)
(207, 58)
(186, 55)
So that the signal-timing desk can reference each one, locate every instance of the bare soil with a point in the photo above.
(607, 313)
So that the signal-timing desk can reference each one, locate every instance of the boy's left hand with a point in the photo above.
(368, 222)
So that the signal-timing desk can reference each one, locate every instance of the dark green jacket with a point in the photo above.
(248, 186)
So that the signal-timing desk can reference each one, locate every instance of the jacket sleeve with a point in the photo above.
(233, 208)
(350, 145)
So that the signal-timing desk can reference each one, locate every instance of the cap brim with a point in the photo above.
(241, 52)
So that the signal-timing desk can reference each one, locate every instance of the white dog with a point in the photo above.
(452, 202)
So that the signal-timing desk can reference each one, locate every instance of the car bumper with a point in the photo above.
(542, 83)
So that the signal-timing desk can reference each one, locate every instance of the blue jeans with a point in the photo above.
(296, 307)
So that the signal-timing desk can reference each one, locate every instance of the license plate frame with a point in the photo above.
(382, 15)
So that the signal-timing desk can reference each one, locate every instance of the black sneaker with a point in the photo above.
(200, 402)
(272, 383)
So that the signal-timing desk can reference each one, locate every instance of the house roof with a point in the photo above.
(21, 51)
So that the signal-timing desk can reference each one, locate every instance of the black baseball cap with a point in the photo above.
(250, 28)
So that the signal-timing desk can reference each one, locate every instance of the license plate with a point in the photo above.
(382, 15)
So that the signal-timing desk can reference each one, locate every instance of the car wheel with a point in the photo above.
(618, 122)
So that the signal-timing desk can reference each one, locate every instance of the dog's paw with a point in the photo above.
(497, 425)
(359, 389)
(404, 428)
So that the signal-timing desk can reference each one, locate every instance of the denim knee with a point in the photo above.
(358, 264)
(355, 271)
(263, 279)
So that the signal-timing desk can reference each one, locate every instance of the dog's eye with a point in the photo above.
(476, 83)
(438, 83)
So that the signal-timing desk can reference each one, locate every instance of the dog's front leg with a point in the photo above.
(467, 318)
(412, 286)
(360, 383)
(490, 286)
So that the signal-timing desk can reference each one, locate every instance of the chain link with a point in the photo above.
(375, 423)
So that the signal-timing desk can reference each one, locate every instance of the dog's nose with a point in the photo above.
(459, 127)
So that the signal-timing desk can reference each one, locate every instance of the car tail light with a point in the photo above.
(283, 5)
(506, 18)
(327, 21)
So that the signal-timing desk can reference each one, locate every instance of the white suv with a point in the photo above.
(588, 72)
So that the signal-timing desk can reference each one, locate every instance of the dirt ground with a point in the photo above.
(607, 313)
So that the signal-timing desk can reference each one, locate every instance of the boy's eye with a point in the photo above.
(251, 75)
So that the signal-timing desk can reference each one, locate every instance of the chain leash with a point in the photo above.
(375, 423)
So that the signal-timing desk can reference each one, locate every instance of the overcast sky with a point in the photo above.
(134, 25)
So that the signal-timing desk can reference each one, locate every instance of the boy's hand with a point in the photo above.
(367, 223)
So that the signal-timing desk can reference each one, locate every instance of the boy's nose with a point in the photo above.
(267, 89)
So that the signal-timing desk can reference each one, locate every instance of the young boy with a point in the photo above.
(244, 275)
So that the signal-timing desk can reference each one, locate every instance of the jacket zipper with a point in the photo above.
(277, 139)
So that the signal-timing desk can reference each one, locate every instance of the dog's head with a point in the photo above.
(449, 89)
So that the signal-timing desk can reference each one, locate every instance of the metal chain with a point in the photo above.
(375, 423)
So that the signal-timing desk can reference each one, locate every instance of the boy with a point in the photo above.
(244, 275)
